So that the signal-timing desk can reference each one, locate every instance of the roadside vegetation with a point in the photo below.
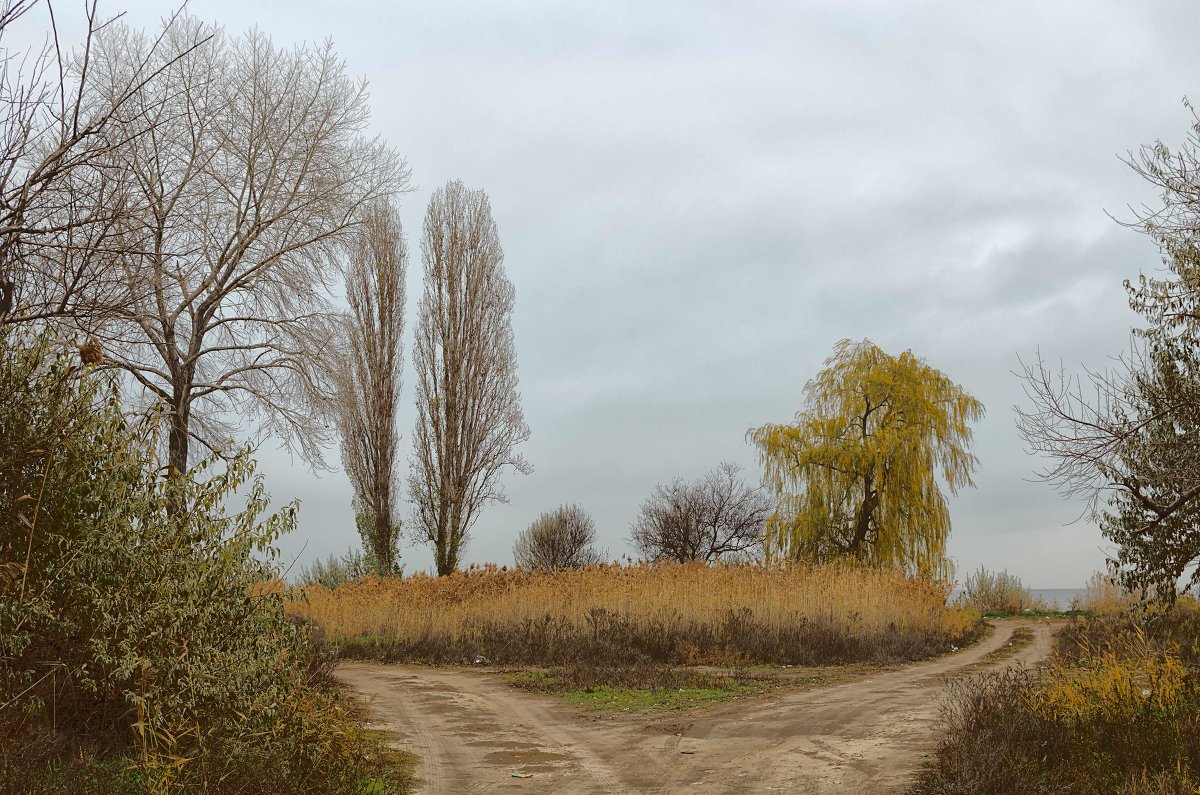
(668, 614)
(1103, 593)
(140, 652)
(144, 308)
(1116, 710)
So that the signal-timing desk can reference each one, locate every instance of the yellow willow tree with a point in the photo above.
(857, 474)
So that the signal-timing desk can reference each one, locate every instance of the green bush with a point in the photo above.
(134, 621)
(338, 570)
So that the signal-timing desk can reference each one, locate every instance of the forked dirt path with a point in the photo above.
(472, 730)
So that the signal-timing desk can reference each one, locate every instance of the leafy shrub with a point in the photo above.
(133, 640)
(338, 570)
(319, 657)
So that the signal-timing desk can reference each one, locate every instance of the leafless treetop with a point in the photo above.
(469, 418)
(718, 516)
(252, 168)
(63, 207)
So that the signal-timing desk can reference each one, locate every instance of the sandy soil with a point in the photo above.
(472, 730)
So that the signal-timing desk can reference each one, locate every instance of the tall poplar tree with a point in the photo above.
(369, 376)
(469, 417)
(857, 473)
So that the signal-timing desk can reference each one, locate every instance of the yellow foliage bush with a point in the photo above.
(1117, 710)
(1114, 684)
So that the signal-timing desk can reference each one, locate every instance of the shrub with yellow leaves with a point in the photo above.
(1117, 710)
(1115, 684)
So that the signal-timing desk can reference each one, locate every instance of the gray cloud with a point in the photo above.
(698, 200)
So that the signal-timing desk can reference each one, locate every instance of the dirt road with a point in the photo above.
(472, 730)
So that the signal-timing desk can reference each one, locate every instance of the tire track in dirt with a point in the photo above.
(472, 730)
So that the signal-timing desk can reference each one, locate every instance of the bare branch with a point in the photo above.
(714, 518)
(469, 417)
(245, 167)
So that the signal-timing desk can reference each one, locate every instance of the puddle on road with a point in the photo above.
(524, 758)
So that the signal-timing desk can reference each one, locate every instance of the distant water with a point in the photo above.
(1055, 598)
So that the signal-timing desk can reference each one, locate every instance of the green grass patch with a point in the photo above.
(644, 688)
(1020, 638)
(1038, 614)
(628, 699)
(395, 768)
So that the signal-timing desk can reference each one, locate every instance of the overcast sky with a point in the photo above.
(697, 201)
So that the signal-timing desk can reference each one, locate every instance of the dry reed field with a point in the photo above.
(666, 613)
(1103, 594)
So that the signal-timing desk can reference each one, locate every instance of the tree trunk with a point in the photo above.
(865, 511)
(380, 542)
(447, 558)
(178, 444)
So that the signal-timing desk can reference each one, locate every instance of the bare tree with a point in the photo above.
(63, 208)
(252, 169)
(369, 377)
(716, 517)
(1080, 424)
(561, 539)
(469, 417)
(1127, 440)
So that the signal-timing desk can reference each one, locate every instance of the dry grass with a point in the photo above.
(1102, 594)
(993, 592)
(1117, 710)
(670, 613)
